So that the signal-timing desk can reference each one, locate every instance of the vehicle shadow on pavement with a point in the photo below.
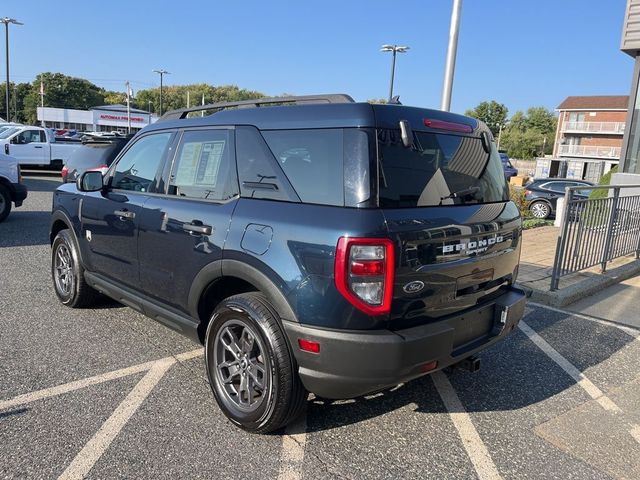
(25, 228)
(515, 374)
(41, 185)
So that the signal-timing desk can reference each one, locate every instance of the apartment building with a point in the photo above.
(589, 135)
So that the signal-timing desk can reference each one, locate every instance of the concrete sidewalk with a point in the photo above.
(536, 268)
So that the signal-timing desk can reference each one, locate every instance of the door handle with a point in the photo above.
(37, 146)
(124, 214)
(197, 228)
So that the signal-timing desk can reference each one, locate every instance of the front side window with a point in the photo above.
(204, 166)
(438, 169)
(138, 167)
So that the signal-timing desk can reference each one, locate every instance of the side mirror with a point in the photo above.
(6, 149)
(89, 181)
(14, 140)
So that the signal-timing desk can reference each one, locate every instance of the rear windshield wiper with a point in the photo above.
(461, 193)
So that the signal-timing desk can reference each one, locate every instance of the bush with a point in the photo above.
(518, 197)
(605, 180)
(528, 223)
(596, 213)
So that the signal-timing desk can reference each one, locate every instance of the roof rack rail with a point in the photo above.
(258, 102)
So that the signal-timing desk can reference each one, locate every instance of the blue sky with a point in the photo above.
(521, 53)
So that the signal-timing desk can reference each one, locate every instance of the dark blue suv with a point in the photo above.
(310, 243)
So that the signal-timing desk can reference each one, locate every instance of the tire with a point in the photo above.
(246, 347)
(5, 202)
(540, 210)
(67, 273)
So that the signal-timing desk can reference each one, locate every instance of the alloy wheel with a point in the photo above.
(539, 210)
(240, 367)
(63, 270)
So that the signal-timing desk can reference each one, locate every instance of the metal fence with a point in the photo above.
(596, 230)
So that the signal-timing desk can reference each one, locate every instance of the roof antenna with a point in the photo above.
(395, 100)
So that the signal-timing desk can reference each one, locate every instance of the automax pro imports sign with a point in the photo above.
(118, 119)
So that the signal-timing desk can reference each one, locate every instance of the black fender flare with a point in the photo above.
(59, 215)
(234, 268)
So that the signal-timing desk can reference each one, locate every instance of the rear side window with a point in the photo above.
(438, 169)
(258, 171)
(312, 161)
(204, 166)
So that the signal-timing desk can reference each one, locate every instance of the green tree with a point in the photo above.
(61, 91)
(529, 135)
(377, 100)
(541, 119)
(114, 98)
(175, 96)
(492, 113)
(18, 92)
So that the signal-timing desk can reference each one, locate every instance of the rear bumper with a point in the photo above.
(20, 193)
(354, 363)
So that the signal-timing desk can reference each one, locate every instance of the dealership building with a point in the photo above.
(106, 118)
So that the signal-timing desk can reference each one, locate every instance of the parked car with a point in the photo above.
(35, 146)
(507, 166)
(326, 246)
(96, 153)
(12, 190)
(543, 193)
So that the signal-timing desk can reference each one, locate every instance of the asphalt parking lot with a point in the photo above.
(108, 393)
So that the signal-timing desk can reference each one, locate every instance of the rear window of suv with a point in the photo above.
(95, 154)
(435, 168)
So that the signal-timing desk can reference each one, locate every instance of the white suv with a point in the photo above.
(11, 188)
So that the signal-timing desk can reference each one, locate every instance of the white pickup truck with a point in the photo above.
(35, 146)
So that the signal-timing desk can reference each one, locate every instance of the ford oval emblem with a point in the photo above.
(413, 287)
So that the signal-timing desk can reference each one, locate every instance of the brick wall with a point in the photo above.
(603, 140)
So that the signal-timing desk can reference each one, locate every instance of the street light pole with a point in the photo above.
(7, 21)
(451, 56)
(161, 72)
(394, 49)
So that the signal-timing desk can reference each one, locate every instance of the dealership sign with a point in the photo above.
(120, 118)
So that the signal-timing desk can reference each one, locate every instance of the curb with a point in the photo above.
(589, 286)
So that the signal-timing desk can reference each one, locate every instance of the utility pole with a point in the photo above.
(162, 73)
(7, 21)
(451, 56)
(129, 92)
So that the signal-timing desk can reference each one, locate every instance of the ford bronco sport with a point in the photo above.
(310, 243)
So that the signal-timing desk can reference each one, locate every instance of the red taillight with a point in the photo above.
(64, 172)
(444, 125)
(527, 192)
(364, 273)
(367, 267)
(308, 346)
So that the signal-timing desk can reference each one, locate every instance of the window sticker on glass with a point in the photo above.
(199, 163)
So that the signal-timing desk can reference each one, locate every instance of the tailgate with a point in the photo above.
(453, 257)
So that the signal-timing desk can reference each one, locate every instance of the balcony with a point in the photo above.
(594, 127)
(589, 151)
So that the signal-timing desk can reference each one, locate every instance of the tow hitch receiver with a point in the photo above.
(471, 364)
